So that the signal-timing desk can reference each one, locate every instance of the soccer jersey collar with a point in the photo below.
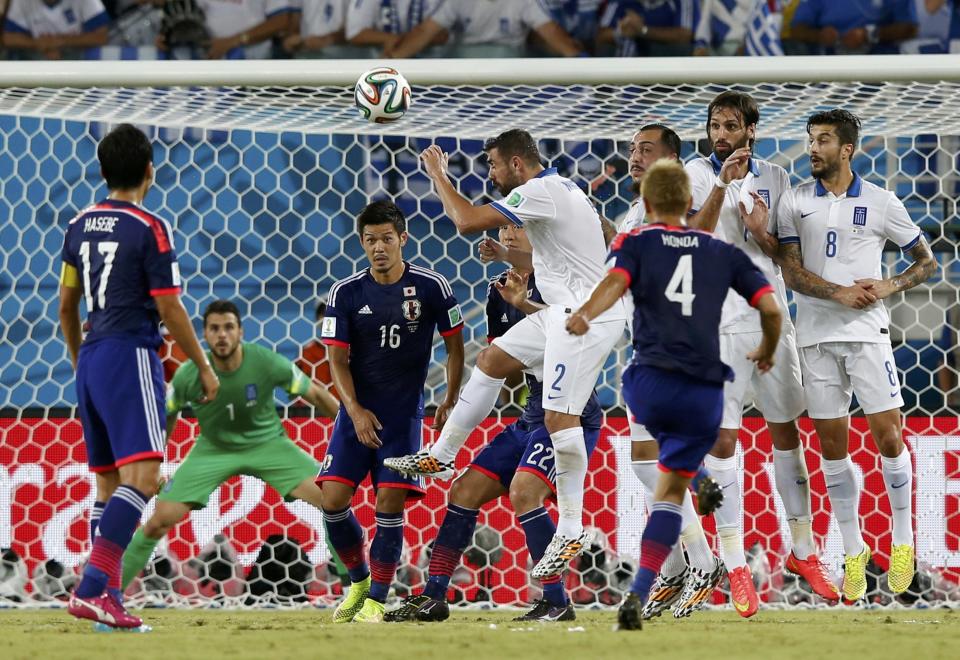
(853, 191)
(717, 164)
(547, 172)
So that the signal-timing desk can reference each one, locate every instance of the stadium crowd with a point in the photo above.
(337, 29)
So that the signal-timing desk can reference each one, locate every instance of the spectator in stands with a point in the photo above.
(52, 29)
(935, 20)
(853, 27)
(317, 30)
(949, 367)
(493, 28)
(579, 18)
(244, 29)
(313, 358)
(380, 24)
(650, 28)
(723, 26)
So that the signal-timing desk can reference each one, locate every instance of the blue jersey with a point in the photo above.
(124, 256)
(389, 331)
(501, 316)
(679, 279)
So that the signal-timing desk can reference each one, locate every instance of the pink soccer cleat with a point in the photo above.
(103, 609)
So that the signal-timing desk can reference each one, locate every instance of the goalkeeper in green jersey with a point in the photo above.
(240, 431)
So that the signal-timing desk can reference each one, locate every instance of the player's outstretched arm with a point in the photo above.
(756, 222)
(491, 250)
(468, 218)
(69, 312)
(607, 293)
(803, 281)
(175, 317)
(454, 345)
(771, 320)
(708, 215)
(320, 398)
(365, 423)
(921, 270)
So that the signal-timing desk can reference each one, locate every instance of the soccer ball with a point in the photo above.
(382, 95)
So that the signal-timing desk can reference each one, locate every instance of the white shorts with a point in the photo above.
(778, 394)
(832, 371)
(571, 365)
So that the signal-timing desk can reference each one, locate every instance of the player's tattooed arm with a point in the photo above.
(756, 223)
(609, 230)
(803, 281)
(922, 269)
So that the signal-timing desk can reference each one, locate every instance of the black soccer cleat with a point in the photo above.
(433, 610)
(559, 613)
(709, 496)
(540, 608)
(629, 616)
(407, 610)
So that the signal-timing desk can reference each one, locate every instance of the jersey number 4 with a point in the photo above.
(96, 271)
(680, 287)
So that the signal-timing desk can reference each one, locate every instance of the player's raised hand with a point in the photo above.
(755, 220)
(577, 324)
(762, 358)
(434, 161)
(514, 289)
(879, 288)
(366, 424)
(210, 384)
(856, 296)
(732, 164)
(492, 250)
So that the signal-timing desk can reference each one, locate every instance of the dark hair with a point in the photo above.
(124, 155)
(221, 307)
(740, 102)
(321, 308)
(846, 123)
(381, 212)
(668, 137)
(515, 142)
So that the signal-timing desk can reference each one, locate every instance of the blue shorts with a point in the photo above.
(120, 400)
(683, 413)
(349, 462)
(516, 449)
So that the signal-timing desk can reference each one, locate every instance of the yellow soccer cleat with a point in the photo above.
(353, 603)
(901, 570)
(855, 575)
(371, 612)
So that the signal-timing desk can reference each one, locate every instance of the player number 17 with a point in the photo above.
(680, 287)
(108, 250)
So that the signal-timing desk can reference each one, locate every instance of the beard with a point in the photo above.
(224, 353)
(824, 169)
(729, 150)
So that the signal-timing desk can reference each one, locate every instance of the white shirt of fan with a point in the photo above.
(371, 14)
(321, 17)
(37, 18)
(226, 18)
(505, 22)
(841, 239)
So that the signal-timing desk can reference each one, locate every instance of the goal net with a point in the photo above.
(262, 167)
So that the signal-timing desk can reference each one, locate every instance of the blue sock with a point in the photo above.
(117, 524)
(659, 536)
(385, 554)
(539, 529)
(346, 537)
(454, 536)
(95, 514)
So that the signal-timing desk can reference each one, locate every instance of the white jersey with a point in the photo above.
(770, 182)
(320, 17)
(634, 217)
(841, 239)
(226, 18)
(37, 18)
(569, 253)
(393, 16)
(505, 22)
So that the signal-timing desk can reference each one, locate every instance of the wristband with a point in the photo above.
(718, 182)
(872, 37)
(644, 30)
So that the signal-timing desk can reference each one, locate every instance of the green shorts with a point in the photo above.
(280, 463)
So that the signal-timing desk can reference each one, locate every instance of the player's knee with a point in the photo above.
(890, 441)
(556, 421)
(726, 444)
(524, 500)
(158, 526)
(462, 494)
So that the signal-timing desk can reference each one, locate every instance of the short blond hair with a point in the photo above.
(666, 187)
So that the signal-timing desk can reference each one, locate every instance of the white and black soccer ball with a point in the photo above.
(382, 95)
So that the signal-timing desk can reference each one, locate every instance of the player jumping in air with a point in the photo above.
(240, 432)
(119, 257)
(568, 257)
(379, 328)
(678, 279)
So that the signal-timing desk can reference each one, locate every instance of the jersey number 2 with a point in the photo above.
(98, 273)
(680, 287)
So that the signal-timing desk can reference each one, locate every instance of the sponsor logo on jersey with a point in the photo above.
(860, 216)
(763, 192)
(504, 319)
(409, 291)
(251, 394)
(329, 327)
(515, 199)
(411, 309)
(454, 315)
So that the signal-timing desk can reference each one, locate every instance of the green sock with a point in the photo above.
(136, 556)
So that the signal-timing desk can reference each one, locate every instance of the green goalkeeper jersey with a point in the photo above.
(244, 412)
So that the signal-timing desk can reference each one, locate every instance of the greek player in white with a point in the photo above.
(719, 183)
(569, 255)
(831, 233)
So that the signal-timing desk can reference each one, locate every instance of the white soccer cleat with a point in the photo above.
(421, 464)
(559, 554)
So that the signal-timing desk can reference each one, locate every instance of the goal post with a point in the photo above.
(262, 167)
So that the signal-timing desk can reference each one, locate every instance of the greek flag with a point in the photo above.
(763, 29)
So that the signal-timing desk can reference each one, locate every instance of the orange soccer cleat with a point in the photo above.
(743, 593)
(814, 572)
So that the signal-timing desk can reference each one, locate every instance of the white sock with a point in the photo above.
(793, 484)
(648, 474)
(899, 472)
(730, 511)
(695, 542)
(844, 493)
(476, 401)
(570, 456)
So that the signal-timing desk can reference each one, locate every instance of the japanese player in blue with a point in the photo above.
(678, 279)
(119, 257)
(519, 461)
(379, 328)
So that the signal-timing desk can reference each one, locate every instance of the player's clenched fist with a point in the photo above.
(434, 161)
(577, 324)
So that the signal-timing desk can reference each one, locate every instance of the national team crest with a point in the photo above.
(411, 309)
(860, 216)
(763, 192)
(252, 394)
